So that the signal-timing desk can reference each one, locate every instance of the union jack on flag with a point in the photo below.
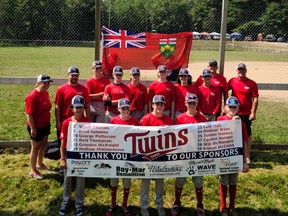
(123, 39)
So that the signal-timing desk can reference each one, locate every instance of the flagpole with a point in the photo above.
(223, 35)
(97, 29)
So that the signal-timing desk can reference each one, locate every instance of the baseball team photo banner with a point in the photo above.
(120, 151)
(145, 50)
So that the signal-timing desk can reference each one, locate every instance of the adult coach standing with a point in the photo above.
(95, 86)
(38, 108)
(246, 90)
(64, 95)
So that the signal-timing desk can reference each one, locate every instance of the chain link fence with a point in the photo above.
(49, 36)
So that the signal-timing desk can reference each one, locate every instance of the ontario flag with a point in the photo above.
(144, 49)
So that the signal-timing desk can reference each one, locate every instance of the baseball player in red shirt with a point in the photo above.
(95, 86)
(209, 97)
(217, 80)
(191, 116)
(64, 95)
(182, 87)
(113, 93)
(123, 119)
(155, 118)
(163, 87)
(231, 108)
(38, 108)
(246, 90)
(138, 95)
(77, 107)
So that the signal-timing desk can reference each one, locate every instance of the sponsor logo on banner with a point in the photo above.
(227, 166)
(129, 169)
(155, 169)
(155, 146)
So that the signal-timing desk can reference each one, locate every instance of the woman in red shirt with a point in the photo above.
(38, 108)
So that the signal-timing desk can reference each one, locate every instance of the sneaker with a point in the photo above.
(36, 174)
(42, 167)
(110, 210)
(175, 209)
(233, 212)
(79, 211)
(224, 212)
(126, 211)
(200, 211)
(62, 211)
(144, 212)
(161, 211)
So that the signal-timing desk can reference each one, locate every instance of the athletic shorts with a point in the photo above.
(41, 132)
(248, 123)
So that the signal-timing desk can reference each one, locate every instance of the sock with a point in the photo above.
(232, 196)
(178, 192)
(223, 195)
(125, 197)
(199, 196)
(113, 195)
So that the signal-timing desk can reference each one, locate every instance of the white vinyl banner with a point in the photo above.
(120, 151)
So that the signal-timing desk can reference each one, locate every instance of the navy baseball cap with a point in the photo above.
(123, 102)
(162, 68)
(73, 70)
(232, 101)
(135, 70)
(190, 97)
(118, 70)
(44, 78)
(158, 99)
(97, 64)
(78, 101)
(241, 66)
(206, 72)
(213, 62)
(183, 72)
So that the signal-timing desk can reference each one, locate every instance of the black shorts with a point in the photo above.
(248, 123)
(41, 132)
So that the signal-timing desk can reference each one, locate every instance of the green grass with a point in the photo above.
(270, 126)
(261, 192)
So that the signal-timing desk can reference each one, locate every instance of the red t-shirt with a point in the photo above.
(138, 96)
(131, 121)
(65, 125)
(244, 90)
(166, 89)
(116, 92)
(180, 94)
(151, 120)
(187, 119)
(95, 86)
(64, 95)
(218, 81)
(209, 100)
(38, 105)
(244, 130)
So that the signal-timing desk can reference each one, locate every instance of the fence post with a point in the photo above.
(223, 34)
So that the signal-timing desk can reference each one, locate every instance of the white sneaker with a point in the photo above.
(144, 212)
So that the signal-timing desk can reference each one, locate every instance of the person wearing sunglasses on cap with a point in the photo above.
(95, 86)
(139, 96)
(191, 116)
(163, 87)
(228, 182)
(38, 106)
(182, 87)
(124, 118)
(114, 92)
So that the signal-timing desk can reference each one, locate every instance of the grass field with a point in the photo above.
(261, 192)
